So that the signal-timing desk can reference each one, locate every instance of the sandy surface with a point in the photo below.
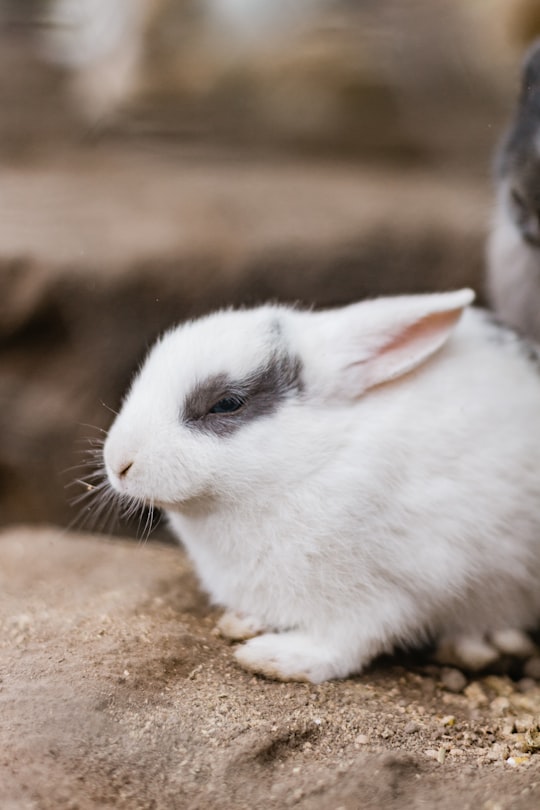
(115, 691)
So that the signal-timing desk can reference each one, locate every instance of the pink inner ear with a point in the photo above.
(432, 328)
(413, 345)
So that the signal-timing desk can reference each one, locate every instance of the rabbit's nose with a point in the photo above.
(125, 468)
(118, 460)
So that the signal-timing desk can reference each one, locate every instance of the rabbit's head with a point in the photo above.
(253, 399)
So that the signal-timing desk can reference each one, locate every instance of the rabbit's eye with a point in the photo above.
(518, 200)
(227, 405)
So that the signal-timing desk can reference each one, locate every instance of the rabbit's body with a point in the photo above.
(513, 248)
(344, 524)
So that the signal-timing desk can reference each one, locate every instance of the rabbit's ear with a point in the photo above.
(377, 341)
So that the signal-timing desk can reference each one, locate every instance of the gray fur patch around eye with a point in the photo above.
(262, 391)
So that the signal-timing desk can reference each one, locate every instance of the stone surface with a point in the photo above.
(116, 692)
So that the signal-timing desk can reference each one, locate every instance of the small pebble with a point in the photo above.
(515, 761)
(476, 694)
(502, 687)
(453, 679)
(411, 727)
(496, 752)
(524, 723)
(531, 743)
(526, 684)
(500, 705)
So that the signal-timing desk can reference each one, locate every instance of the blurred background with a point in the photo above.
(160, 158)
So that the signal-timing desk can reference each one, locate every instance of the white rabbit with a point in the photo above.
(513, 247)
(347, 480)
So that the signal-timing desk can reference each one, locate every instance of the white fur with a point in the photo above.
(513, 271)
(395, 497)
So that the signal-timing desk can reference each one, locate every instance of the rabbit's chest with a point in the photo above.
(250, 570)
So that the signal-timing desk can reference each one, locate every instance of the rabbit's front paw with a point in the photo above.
(238, 627)
(291, 656)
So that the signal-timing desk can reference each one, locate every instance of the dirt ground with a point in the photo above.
(115, 691)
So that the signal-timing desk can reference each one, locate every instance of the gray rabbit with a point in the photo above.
(513, 250)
